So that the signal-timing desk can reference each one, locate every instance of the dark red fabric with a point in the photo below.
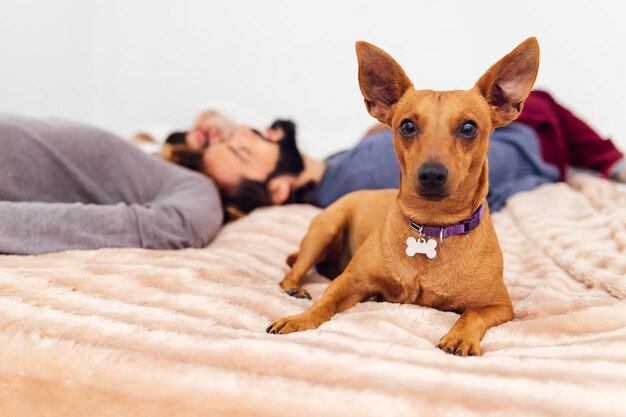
(565, 139)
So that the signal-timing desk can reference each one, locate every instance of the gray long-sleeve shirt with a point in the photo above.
(69, 186)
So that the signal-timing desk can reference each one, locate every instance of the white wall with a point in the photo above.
(46, 58)
(124, 64)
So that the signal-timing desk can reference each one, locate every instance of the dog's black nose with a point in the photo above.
(432, 175)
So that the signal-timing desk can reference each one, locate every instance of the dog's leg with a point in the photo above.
(322, 235)
(464, 337)
(344, 292)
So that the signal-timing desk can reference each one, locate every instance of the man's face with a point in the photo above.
(246, 154)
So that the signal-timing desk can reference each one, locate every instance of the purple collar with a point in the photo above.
(442, 232)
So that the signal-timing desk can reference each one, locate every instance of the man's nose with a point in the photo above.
(432, 175)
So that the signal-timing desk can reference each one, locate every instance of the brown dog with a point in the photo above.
(432, 242)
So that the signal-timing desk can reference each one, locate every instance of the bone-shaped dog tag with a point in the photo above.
(420, 245)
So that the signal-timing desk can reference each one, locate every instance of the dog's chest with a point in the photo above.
(438, 282)
(434, 285)
(463, 269)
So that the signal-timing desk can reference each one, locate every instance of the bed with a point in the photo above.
(130, 332)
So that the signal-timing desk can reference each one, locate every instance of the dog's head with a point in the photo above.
(441, 137)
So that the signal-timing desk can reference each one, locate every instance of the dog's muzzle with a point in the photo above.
(432, 180)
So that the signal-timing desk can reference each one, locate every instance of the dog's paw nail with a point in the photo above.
(439, 346)
(472, 354)
(458, 352)
(291, 291)
(268, 328)
(304, 295)
(448, 349)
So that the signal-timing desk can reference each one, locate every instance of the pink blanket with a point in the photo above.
(155, 333)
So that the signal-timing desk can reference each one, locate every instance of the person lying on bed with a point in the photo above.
(535, 149)
(70, 186)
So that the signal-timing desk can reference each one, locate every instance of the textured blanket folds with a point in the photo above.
(182, 333)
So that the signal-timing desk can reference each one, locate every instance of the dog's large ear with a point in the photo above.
(382, 80)
(508, 82)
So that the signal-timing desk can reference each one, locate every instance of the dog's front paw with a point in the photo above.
(459, 344)
(298, 292)
(292, 287)
(296, 323)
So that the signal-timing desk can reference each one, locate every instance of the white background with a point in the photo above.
(127, 64)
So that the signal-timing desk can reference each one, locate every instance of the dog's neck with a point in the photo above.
(443, 231)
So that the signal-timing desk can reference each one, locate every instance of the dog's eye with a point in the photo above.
(407, 128)
(469, 130)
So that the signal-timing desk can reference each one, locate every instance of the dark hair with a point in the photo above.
(252, 194)
(180, 154)
(177, 138)
(289, 160)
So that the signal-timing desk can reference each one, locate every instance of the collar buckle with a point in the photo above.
(416, 227)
